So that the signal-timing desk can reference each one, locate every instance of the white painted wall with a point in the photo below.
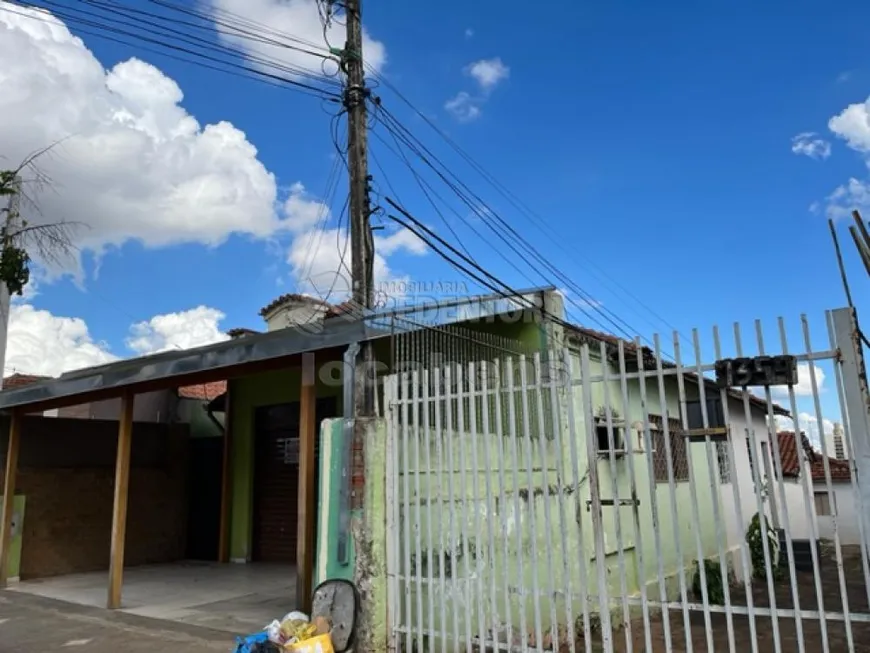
(801, 515)
(847, 515)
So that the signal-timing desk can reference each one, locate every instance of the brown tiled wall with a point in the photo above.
(68, 515)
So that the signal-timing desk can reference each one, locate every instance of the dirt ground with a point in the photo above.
(33, 624)
(765, 629)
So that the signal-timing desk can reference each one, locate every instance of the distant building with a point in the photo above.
(835, 443)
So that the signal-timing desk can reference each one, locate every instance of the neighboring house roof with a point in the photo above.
(20, 380)
(203, 391)
(593, 337)
(290, 297)
(841, 470)
(788, 452)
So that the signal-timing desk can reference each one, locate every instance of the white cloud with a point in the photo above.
(469, 33)
(46, 344)
(853, 125)
(804, 387)
(42, 343)
(463, 107)
(303, 211)
(809, 144)
(297, 17)
(844, 76)
(183, 330)
(808, 424)
(130, 162)
(488, 72)
(854, 194)
(320, 261)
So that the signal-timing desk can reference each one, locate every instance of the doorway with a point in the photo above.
(276, 478)
(204, 492)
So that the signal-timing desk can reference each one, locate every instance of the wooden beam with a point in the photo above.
(306, 537)
(9, 495)
(226, 480)
(119, 511)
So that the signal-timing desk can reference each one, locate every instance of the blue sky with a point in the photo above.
(655, 139)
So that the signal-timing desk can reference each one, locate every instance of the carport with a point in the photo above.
(285, 349)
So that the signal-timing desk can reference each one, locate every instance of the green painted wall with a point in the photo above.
(282, 386)
(485, 552)
(328, 565)
(247, 394)
(14, 562)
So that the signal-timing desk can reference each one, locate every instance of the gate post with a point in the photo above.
(857, 399)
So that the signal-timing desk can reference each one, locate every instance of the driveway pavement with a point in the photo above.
(33, 624)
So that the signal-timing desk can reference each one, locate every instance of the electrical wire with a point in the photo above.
(488, 280)
(499, 226)
(523, 208)
(104, 31)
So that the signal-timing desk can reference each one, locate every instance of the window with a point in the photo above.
(677, 443)
(839, 449)
(823, 503)
(715, 419)
(603, 439)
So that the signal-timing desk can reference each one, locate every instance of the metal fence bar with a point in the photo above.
(758, 487)
(715, 478)
(548, 522)
(807, 490)
(764, 612)
(503, 510)
(561, 480)
(735, 488)
(425, 435)
(406, 502)
(663, 405)
(518, 518)
(773, 437)
(417, 429)
(614, 491)
(463, 480)
(635, 506)
(533, 516)
(393, 520)
(443, 536)
(817, 405)
(491, 508)
(693, 491)
(850, 434)
(455, 542)
(595, 500)
(567, 364)
(475, 485)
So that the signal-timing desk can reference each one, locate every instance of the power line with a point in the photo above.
(523, 208)
(499, 226)
(105, 30)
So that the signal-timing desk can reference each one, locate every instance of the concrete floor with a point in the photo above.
(241, 599)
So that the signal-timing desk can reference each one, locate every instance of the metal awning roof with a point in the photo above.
(234, 357)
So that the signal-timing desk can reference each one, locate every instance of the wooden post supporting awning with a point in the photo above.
(119, 511)
(306, 539)
(9, 495)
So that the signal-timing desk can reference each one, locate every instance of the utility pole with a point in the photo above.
(5, 303)
(361, 242)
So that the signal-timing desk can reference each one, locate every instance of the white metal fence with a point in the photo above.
(562, 501)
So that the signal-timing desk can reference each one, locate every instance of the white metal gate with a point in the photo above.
(561, 501)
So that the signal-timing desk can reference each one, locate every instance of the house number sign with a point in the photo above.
(756, 371)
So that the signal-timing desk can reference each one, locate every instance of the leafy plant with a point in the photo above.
(715, 583)
(755, 540)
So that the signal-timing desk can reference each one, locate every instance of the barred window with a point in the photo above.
(679, 459)
(715, 419)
